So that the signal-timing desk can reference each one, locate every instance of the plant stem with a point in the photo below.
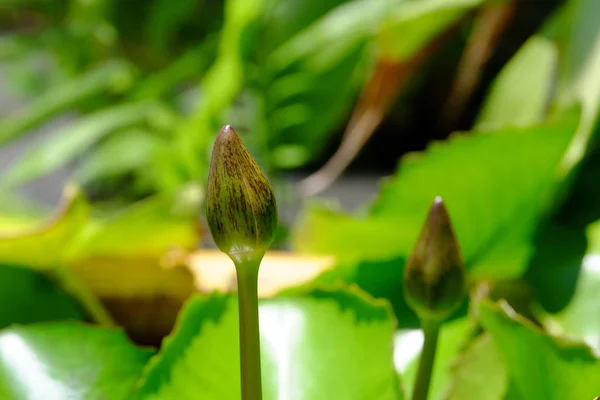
(247, 280)
(431, 330)
(90, 303)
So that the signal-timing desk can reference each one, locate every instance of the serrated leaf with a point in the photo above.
(487, 181)
(304, 342)
(68, 361)
(542, 366)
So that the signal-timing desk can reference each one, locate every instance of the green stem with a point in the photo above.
(431, 330)
(247, 280)
(90, 303)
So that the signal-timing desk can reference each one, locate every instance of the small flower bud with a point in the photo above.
(240, 204)
(434, 276)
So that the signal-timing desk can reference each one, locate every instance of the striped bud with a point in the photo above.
(240, 204)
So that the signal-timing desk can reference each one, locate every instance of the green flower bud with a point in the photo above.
(240, 204)
(434, 276)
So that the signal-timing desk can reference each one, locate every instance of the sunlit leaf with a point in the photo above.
(304, 342)
(542, 366)
(68, 361)
(18, 212)
(149, 228)
(44, 246)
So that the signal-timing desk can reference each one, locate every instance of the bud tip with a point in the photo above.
(434, 274)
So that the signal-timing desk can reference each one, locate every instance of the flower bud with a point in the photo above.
(240, 204)
(434, 276)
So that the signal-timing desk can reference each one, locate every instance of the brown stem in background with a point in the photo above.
(377, 97)
(489, 25)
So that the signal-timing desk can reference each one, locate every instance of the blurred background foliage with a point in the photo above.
(147, 84)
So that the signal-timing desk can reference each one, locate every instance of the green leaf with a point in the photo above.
(578, 319)
(29, 296)
(579, 74)
(18, 212)
(73, 141)
(68, 94)
(453, 336)
(542, 366)
(487, 181)
(68, 361)
(44, 246)
(380, 278)
(521, 92)
(324, 345)
(148, 228)
(478, 373)
(561, 242)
